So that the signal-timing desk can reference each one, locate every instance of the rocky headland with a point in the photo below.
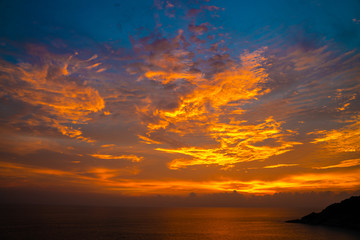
(345, 214)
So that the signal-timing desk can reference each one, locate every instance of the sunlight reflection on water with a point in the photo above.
(45, 222)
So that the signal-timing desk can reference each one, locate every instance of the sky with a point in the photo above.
(179, 99)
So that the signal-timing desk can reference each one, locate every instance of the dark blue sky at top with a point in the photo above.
(79, 23)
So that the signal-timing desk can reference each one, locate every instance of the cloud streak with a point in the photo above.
(342, 164)
(113, 180)
(345, 139)
(133, 158)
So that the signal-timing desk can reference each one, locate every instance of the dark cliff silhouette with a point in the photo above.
(345, 214)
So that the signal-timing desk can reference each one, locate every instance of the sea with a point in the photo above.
(89, 222)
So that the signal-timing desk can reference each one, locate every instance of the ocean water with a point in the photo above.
(70, 222)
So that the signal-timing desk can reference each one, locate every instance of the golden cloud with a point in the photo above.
(342, 164)
(133, 158)
(213, 109)
(238, 143)
(282, 165)
(50, 86)
(346, 139)
(107, 179)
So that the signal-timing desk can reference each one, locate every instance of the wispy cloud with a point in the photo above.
(342, 164)
(238, 143)
(132, 158)
(107, 179)
(211, 109)
(346, 139)
(51, 87)
(282, 165)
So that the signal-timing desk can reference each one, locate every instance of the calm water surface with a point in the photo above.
(55, 222)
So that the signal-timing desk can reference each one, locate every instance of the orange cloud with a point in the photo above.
(166, 77)
(214, 109)
(282, 165)
(235, 85)
(22, 171)
(302, 182)
(106, 174)
(96, 176)
(238, 143)
(50, 86)
(106, 179)
(342, 164)
(61, 98)
(346, 139)
(147, 140)
(133, 158)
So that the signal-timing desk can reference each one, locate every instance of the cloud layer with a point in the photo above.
(195, 103)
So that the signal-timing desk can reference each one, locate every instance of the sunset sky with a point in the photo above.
(171, 97)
